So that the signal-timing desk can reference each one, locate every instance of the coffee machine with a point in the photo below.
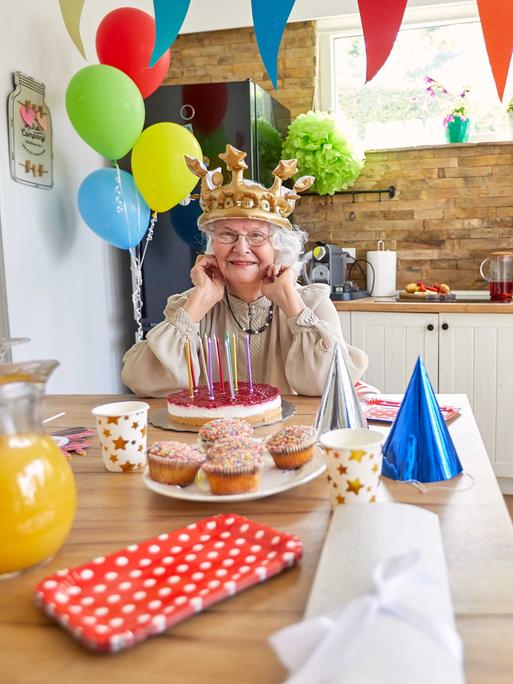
(329, 264)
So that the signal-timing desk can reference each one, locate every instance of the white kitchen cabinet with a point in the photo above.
(393, 342)
(476, 358)
(468, 354)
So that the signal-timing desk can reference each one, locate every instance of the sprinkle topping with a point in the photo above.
(261, 394)
(292, 437)
(221, 428)
(176, 451)
(232, 453)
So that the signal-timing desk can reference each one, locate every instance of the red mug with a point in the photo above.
(500, 280)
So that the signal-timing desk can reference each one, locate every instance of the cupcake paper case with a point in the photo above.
(162, 581)
(233, 466)
(174, 463)
(292, 447)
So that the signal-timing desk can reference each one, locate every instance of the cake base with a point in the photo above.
(160, 418)
(272, 416)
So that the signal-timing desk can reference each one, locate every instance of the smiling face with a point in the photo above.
(241, 263)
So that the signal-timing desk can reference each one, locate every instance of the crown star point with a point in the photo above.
(234, 158)
(286, 168)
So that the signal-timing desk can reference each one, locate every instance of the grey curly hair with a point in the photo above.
(288, 245)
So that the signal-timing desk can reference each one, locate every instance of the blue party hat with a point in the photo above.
(419, 446)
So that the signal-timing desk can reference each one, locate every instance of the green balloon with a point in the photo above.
(106, 109)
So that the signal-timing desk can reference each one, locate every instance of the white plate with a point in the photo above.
(60, 441)
(272, 481)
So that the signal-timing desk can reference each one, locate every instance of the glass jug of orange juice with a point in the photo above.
(37, 488)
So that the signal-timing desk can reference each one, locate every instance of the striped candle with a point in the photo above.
(248, 358)
(210, 373)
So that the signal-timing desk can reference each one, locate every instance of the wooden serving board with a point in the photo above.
(426, 297)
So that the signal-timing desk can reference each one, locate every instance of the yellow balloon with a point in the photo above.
(159, 167)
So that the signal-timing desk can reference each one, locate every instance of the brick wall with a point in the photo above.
(232, 55)
(454, 205)
(454, 202)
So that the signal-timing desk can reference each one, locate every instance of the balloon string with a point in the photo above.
(422, 487)
(149, 236)
(136, 262)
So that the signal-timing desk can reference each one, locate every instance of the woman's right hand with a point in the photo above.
(208, 286)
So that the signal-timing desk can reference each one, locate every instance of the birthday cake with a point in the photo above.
(259, 405)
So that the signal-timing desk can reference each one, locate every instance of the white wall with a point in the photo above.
(209, 15)
(63, 283)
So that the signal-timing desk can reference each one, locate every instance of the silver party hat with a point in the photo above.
(339, 407)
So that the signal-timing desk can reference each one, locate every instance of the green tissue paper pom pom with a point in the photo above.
(326, 147)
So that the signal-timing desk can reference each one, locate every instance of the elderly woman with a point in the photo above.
(246, 283)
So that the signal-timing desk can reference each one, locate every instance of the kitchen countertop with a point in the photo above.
(385, 304)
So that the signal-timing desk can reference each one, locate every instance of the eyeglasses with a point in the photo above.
(229, 237)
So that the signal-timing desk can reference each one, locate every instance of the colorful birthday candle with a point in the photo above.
(219, 362)
(204, 364)
(189, 367)
(248, 358)
(234, 359)
(230, 376)
(210, 373)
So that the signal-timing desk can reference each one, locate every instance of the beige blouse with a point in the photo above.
(293, 354)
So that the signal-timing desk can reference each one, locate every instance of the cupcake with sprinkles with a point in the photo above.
(220, 428)
(174, 463)
(292, 447)
(233, 466)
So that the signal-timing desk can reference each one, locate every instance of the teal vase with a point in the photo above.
(457, 131)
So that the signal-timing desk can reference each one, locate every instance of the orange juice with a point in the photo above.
(37, 500)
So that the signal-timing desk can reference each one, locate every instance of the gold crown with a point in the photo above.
(242, 198)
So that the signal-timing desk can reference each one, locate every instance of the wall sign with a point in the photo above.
(30, 133)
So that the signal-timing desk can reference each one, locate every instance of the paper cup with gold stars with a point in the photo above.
(354, 460)
(122, 428)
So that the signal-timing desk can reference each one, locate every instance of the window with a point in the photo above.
(392, 109)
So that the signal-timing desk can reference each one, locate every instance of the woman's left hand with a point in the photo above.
(280, 287)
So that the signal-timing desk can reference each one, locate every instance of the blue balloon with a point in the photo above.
(113, 208)
(184, 220)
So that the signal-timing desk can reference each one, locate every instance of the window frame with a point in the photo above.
(328, 30)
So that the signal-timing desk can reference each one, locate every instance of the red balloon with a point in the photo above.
(209, 102)
(125, 40)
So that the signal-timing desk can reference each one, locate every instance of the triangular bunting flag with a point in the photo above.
(497, 24)
(380, 22)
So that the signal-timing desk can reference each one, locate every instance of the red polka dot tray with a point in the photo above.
(385, 411)
(115, 601)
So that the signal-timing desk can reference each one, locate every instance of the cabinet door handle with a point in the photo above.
(430, 326)
(445, 326)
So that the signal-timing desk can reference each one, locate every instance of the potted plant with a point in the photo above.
(456, 122)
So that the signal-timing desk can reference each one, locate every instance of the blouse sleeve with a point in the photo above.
(157, 366)
(315, 331)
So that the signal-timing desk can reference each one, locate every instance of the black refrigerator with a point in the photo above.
(240, 113)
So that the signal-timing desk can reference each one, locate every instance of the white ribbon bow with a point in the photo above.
(314, 650)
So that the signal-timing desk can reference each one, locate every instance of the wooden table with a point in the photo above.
(227, 643)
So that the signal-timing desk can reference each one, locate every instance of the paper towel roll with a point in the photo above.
(384, 263)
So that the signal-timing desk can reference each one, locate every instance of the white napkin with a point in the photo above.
(380, 610)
